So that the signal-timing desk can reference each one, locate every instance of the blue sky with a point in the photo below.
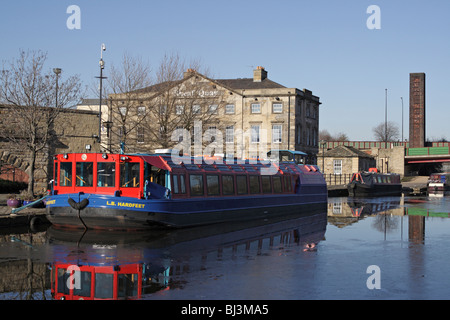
(322, 45)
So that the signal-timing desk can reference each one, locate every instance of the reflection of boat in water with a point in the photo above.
(373, 183)
(438, 183)
(121, 265)
(360, 207)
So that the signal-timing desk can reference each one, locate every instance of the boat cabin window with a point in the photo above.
(179, 184)
(196, 183)
(267, 188)
(175, 188)
(129, 174)
(287, 183)
(277, 187)
(212, 185)
(241, 182)
(62, 277)
(254, 184)
(65, 174)
(155, 174)
(55, 172)
(85, 174)
(83, 288)
(104, 285)
(106, 174)
(127, 285)
(228, 185)
(182, 183)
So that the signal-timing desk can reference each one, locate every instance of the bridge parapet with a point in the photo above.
(427, 151)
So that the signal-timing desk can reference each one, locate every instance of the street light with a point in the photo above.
(402, 119)
(102, 66)
(57, 71)
(323, 143)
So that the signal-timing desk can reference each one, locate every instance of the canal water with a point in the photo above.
(380, 248)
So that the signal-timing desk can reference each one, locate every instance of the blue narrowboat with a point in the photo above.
(134, 191)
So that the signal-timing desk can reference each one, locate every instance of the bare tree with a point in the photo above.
(325, 135)
(123, 87)
(386, 132)
(145, 116)
(36, 97)
(181, 97)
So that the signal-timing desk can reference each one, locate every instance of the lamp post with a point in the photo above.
(57, 71)
(322, 144)
(402, 118)
(102, 66)
(385, 121)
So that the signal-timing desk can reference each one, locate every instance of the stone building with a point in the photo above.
(240, 117)
(345, 160)
(74, 131)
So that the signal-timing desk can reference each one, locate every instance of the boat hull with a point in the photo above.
(108, 212)
(363, 190)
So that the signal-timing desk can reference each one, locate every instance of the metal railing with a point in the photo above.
(337, 179)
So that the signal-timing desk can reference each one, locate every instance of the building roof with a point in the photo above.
(346, 152)
(248, 83)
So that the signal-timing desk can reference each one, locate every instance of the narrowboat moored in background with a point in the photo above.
(133, 191)
(438, 182)
(373, 183)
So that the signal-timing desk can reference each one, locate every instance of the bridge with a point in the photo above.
(436, 152)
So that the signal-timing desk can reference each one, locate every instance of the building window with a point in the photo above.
(255, 134)
(196, 109)
(299, 134)
(141, 111)
(180, 132)
(277, 108)
(123, 110)
(337, 166)
(229, 134)
(210, 134)
(140, 134)
(229, 109)
(256, 108)
(179, 109)
(276, 133)
(212, 109)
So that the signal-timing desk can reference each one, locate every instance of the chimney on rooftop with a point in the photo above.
(259, 74)
(189, 72)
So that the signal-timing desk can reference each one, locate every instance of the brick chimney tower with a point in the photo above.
(259, 74)
(417, 110)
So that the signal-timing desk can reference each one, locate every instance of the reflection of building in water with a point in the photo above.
(346, 211)
(133, 265)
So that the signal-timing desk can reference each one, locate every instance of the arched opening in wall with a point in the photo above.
(11, 173)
